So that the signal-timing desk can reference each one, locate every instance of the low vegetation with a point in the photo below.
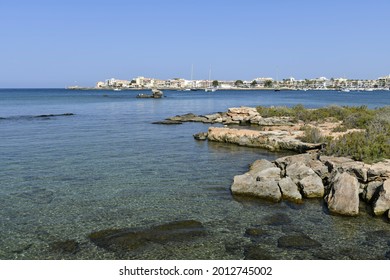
(370, 144)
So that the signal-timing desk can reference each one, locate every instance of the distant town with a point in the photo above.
(321, 83)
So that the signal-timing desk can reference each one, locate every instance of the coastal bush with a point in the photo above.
(312, 135)
(361, 146)
(352, 117)
(370, 145)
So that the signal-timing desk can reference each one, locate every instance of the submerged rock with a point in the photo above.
(125, 240)
(65, 247)
(255, 232)
(298, 241)
(257, 252)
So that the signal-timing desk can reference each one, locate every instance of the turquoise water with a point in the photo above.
(107, 166)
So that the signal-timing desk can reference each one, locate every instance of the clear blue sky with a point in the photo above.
(60, 43)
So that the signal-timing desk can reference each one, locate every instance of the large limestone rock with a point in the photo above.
(371, 189)
(272, 173)
(243, 184)
(262, 184)
(312, 186)
(283, 162)
(343, 197)
(260, 165)
(382, 204)
(380, 170)
(297, 171)
(290, 190)
(343, 164)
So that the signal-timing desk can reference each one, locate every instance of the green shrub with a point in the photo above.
(312, 135)
(370, 145)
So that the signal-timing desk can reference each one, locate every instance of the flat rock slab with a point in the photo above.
(298, 241)
(168, 122)
(126, 240)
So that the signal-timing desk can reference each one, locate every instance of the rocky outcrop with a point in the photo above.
(234, 116)
(271, 140)
(340, 181)
(155, 94)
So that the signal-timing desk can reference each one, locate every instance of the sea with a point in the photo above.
(76, 162)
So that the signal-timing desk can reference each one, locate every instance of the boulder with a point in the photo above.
(271, 173)
(312, 186)
(319, 168)
(382, 203)
(371, 189)
(268, 189)
(290, 190)
(259, 165)
(335, 162)
(297, 171)
(263, 189)
(200, 136)
(243, 184)
(343, 197)
(283, 162)
(264, 185)
(343, 164)
(380, 170)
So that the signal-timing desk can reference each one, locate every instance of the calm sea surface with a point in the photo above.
(108, 167)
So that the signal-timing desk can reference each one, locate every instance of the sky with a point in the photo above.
(79, 42)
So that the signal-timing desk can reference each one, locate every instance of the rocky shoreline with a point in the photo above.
(342, 182)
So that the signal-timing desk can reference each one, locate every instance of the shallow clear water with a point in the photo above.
(107, 166)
